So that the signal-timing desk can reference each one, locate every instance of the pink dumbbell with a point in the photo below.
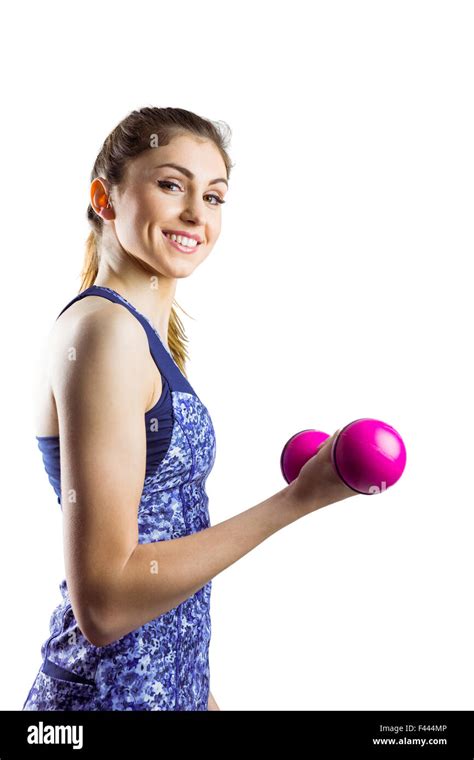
(369, 456)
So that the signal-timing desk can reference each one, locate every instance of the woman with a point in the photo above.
(132, 630)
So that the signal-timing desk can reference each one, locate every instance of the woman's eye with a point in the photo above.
(168, 183)
(217, 199)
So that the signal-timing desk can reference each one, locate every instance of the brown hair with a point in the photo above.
(139, 131)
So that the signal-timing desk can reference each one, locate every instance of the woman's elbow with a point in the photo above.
(95, 624)
(98, 637)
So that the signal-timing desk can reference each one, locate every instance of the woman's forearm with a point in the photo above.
(158, 576)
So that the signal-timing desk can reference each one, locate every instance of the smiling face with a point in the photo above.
(152, 199)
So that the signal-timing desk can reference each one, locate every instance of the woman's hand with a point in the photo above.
(211, 703)
(318, 483)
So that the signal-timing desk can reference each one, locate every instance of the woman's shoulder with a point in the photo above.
(94, 314)
(97, 326)
(110, 339)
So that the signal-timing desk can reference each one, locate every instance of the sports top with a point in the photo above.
(164, 664)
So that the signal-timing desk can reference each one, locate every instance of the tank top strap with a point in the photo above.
(161, 356)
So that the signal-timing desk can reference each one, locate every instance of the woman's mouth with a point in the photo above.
(174, 240)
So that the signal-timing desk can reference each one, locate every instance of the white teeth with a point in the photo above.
(187, 242)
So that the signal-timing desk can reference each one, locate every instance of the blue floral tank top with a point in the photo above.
(164, 664)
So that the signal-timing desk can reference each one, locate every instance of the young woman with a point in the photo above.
(127, 443)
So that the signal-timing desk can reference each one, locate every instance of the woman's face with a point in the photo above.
(153, 199)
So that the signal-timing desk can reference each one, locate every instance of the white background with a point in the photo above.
(340, 288)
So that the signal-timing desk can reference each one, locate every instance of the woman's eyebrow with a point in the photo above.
(189, 174)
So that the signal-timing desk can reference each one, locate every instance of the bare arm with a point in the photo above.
(116, 584)
(137, 594)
